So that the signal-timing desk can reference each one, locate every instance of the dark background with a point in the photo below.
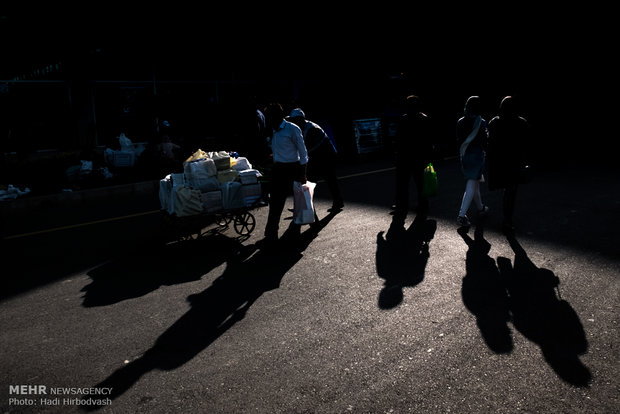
(339, 64)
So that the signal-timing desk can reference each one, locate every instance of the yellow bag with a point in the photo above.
(198, 155)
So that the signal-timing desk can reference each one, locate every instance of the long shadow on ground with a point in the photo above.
(529, 297)
(401, 258)
(250, 272)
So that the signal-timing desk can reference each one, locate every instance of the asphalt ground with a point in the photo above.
(361, 316)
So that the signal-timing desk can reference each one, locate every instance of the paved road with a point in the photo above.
(363, 316)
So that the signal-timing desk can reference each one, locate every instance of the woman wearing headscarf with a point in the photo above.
(508, 134)
(471, 134)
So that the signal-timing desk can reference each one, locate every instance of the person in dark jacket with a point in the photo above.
(414, 149)
(508, 139)
(322, 154)
(471, 134)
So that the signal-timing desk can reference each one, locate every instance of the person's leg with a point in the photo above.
(403, 174)
(477, 196)
(418, 178)
(291, 174)
(323, 166)
(470, 189)
(334, 188)
(277, 200)
(510, 197)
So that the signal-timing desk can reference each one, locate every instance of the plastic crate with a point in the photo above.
(122, 159)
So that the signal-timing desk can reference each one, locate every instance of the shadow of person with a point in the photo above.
(401, 258)
(146, 268)
(484, 293)
(251, 272)
(213, 311)
(295, 238)
(543, 317)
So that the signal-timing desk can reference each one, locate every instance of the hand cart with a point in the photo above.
(199, 225)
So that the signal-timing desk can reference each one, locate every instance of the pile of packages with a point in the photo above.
(11, 192)
(127, 155)
(210, 182)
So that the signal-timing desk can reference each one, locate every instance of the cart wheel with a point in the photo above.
(244, 223)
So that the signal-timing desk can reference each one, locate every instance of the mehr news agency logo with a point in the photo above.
(42, 395)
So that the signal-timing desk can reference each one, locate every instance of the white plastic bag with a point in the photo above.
(199, 175)
(241, 164)
(303, 207)
(126, 144)
(209, 165)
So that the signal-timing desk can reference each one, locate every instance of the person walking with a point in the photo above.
(290, 158)
(413, 153)
(472, 134)
(250, 130)
(508, 140)
(322, 153)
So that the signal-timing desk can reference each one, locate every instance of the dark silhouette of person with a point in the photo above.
(163, 155)
(484, 293)
(252, 137)
(507, 154)
(252, 131)
(543, 317)
(290, 159)
(414, 149)
(322, 155)
(401, 258)
(471, 135)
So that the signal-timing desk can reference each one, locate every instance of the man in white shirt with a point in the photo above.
(290, 158)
